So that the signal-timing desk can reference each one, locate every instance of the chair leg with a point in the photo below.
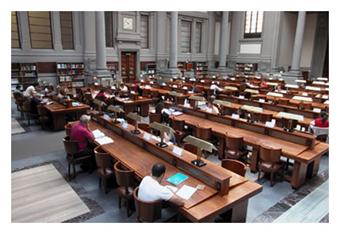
(74, 170)
(104, 185)
(259, 175)
(271, 179)
(69, 170)
(100, 182)
(119, 202)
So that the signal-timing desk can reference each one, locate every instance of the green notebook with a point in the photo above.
(177, 178)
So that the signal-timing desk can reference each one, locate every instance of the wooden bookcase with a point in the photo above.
(71, 75)
(24, 74)
(113, 68)
(201, 70)
(246, 68)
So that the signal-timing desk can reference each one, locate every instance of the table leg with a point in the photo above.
(299, 174)
(238, 214)
(144, 109)
(58, 121)
(254, 159)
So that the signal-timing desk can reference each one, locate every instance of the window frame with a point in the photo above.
(62, 44)
(17, 26)
(51, 32)
(256, 34)
(147, 31)
(190, 36)
(111, 36)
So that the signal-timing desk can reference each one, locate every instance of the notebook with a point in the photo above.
(177, 178)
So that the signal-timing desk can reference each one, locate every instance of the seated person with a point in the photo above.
(322, 122)
(215, 87)
(263, 85)
(211, 108)
(151, 190)
(81, 133)
(159, 108)
(101, 96)
(31, 90)
(123, 88)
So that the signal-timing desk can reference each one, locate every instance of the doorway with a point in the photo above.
(128, 61)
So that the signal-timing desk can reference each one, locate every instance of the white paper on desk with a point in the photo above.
(176, 113)
(120, 120)
(186, 192)
(156, 138)
(98, 134)
(235, 116)
(316, 110)
(49, 103)
(241, 97)
(125, 125)
(147, 136)
(104, 140)
(262, 100)
(178, 151)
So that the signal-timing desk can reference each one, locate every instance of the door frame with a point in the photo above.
(120, 51)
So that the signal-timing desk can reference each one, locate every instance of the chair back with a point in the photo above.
(124, 177)
(144, 126)
(71, 147)
(41, 110)
(147, 211)
(266, 117)
(103, 159)
(155, 117)
(177, 125)
(203, 133)
(305, 105)
(234, 143)
(68, 128)
(26, 107)
(191, 148)
(234, 166)
(269, 154)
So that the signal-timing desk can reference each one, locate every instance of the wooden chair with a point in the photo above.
(26, 109)
(178, 126)
(68, 128)
(305, 106)
(234, 166)
(270, 162)
(71, 149)
(104, 167)
(191, 148)
(203, 133)
(88, 99)
(43, 116)
(153, 117)
(144, 126)
(151, 211)
(235, 147)
(124, 179)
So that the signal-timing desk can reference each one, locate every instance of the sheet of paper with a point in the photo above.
(98, 134)
(235, 116)
(317, 110)
(186, 192)
(125, 125)
(262, 100)
(270, 124)
(104, 140)
(147, 136)
(178, 151)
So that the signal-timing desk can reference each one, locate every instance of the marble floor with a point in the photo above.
(274, 204)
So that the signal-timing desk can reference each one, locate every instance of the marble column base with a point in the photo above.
(291, 76)
(169, 73)
(104, 77)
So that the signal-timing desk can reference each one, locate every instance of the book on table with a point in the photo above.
(177, 178)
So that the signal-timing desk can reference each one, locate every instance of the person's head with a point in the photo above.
(158, 171)
(101, 90)
(324, 116)
(35, 84)
(18, 87)
(85, 119)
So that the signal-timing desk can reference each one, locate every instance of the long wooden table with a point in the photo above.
(130, 105)
(306, 157)
(139, 155)
(58, 113)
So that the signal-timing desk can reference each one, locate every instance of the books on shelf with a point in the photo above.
(71, 74)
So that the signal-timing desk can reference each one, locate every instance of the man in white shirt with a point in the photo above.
(30, 91)
(215, 87)
(151, 190)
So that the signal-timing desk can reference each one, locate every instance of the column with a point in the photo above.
(101, 69)
(300, 28)
(223, 41)
(295, 72)
(57, 44)
(173, 40)
(211, 41)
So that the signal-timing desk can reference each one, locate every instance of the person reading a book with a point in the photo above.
(81, 133)
(150, 189)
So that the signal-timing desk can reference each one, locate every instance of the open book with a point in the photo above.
(101, 138)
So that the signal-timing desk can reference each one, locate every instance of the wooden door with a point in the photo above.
(128, 60)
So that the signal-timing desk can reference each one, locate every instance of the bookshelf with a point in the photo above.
(71, 75)
(150, 68)
(24, 74)
(201, 69)
(113, 68)
(246, 68)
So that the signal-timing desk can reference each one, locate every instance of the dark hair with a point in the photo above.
(36, 84)
(158, 169)
(324, 116)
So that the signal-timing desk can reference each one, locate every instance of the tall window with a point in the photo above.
(185, 36)
(66, 28)
(15, 31)
(198, 41)
(144, 31)
(253, 24)
(109, 28)
(40, 29)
